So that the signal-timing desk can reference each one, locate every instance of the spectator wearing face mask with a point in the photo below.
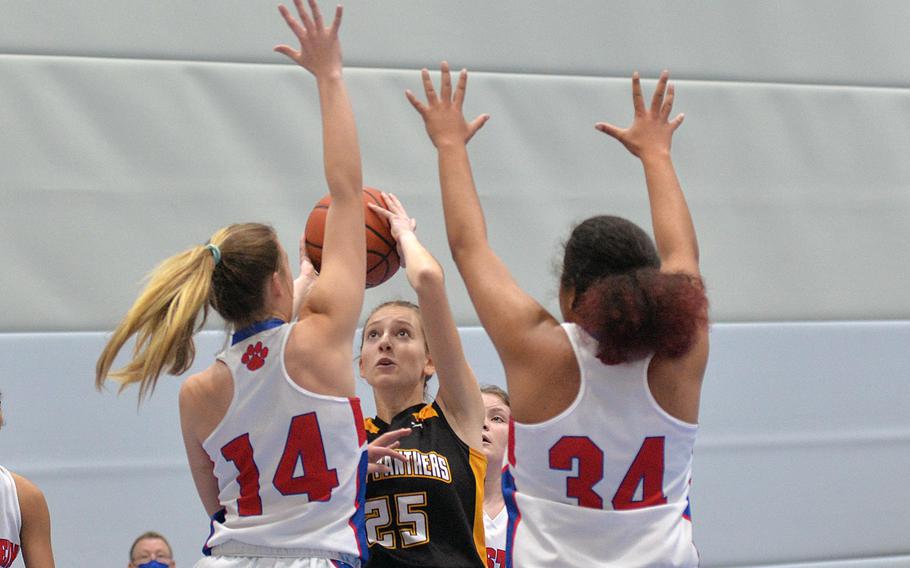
(151, 550)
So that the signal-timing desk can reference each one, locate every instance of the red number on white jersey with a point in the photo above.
(590, 468)
(647, 471)
(303, 445)
(240, 451)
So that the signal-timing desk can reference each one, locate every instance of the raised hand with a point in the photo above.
(442, 112)
(652, 130)
(396, 215)
(306, 278)
(320, 49)
(398, 219)
(385, 446)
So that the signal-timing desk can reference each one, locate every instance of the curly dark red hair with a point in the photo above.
(621, 296)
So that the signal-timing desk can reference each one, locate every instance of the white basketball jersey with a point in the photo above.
(10, 519)
(290, 464)
(495, 532)
(605, 483)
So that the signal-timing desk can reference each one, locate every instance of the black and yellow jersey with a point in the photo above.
(428, 512)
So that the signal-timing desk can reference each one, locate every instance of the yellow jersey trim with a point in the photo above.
(370, 426)
(478, 463)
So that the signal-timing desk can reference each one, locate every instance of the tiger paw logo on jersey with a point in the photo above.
(8, 552)
(255, 355)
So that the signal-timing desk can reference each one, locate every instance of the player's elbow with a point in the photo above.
(428, 277)
(461, 247)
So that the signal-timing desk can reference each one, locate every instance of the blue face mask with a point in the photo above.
(152, 564)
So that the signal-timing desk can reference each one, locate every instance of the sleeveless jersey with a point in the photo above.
(495, 531)
(10, 519)
(428, 512)
(605, 483)
(290, 464)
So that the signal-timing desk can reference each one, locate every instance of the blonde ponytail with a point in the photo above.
(163, 320)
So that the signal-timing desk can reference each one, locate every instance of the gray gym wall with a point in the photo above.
(130, 131)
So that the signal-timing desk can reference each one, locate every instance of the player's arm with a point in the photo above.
(306, 278)
(459, 393)
(522, 331)
(338, 293)
(649, 139)
(35, 535)
(196, 415)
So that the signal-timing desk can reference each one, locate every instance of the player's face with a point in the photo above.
(149, 549)
(495, 429)
(394, 349)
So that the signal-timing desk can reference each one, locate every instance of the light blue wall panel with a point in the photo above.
(801, 457)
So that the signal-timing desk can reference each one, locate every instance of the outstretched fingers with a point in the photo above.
(638, 101)
(336, 23)
(295, 27)
(428, 88)
(476, 125)
(667, 106)
(657, 98)
(610, 129)
(305, 18)
(461, 88)
(415, 102)
(385, 446)
(446, 81)
(317, 14)
(676, 122)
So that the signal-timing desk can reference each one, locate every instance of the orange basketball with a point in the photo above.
(382, 256)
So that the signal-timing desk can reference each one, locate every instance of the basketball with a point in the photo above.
(382, 256)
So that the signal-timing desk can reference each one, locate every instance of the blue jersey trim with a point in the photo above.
(218, 517)
(358, 519)
(508, 494)
(252, 330)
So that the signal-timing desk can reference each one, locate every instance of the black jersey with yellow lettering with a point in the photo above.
(428, 512)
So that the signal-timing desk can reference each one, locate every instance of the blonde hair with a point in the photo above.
(498, 392)
(164, 317)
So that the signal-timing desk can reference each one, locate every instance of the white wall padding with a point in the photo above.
(799, 193)
(801, 457)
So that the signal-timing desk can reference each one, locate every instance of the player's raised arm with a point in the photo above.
(338, 293)
(649, 139)
(459, 393)
(517, 324)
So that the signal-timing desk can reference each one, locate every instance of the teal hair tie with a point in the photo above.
(216, 252)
